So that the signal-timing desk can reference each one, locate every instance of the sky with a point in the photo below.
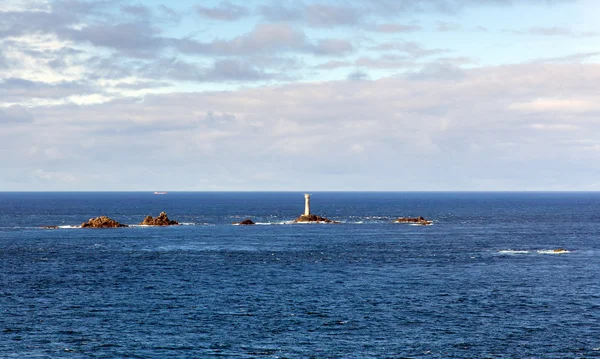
(378, 95)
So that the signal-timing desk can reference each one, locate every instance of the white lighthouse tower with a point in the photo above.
(307, 204)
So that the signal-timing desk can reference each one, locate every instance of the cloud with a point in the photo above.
(438, 71)
(358, 75)
(316, 15)
(411, 48)
(473, 121)
(554, 127)
(220, 70)
(333, 64)
(224, 11)
(385, 62)
(392, 28)
(555, 31)
(15, 115)
(21, 90)
(390, 7)
(137, 39)
(558, 104)
(444, 26)
(263, 38)
(355, 13)
(266, 38)
(574, 58)
(333, 47)
(137, 10)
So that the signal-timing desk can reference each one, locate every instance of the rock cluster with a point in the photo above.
(313, 218)
(102, 222)
(416, 220)
(161, 220)
(246, 222)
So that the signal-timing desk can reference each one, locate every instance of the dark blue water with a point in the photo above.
(482, 282)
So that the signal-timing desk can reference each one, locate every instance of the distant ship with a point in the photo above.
(157, 192)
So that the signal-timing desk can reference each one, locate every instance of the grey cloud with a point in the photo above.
(61, 15)
(394, 7)
(358, 75)
(265, 38)
(17, 89)
(573, 58)
(213, 120)
(139, 85)
(328, 15)
(317, 15)
(225, 11)
(235, 70)
(277, 12)
(15, 114)
(19, 23)
(3, 61)
(137, 39)
(333, 47)
(137, 10)
(161, 13)
(221, 70)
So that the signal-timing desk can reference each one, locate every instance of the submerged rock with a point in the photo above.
(246, 222)
(102, 222)
(560, 250)
(50, 227)
(160, 220)
(313, 218)
(415, 220)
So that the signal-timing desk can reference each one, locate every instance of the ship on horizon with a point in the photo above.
(160, 192)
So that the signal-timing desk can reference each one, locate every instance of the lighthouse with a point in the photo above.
(306, 204)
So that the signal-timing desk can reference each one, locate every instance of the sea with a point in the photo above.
(496, 275)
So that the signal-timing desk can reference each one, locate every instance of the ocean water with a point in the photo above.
(482, 282)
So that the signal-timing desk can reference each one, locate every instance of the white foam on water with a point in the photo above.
(513, 251)
(552, 251)
(68, 227)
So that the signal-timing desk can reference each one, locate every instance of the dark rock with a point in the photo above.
(50, 227)
(246, 222)
(415, 220)
(102, 222)
(161, 220)
(313, 218)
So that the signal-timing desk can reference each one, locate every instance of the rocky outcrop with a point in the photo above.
(313, 218)
(50, 227)
(560, 250)
(161, 220)
(415, 220)
(102, 222)
(246, 222)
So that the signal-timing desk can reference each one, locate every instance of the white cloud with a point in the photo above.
(554, 127)
(563, 105)
(348, 131)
